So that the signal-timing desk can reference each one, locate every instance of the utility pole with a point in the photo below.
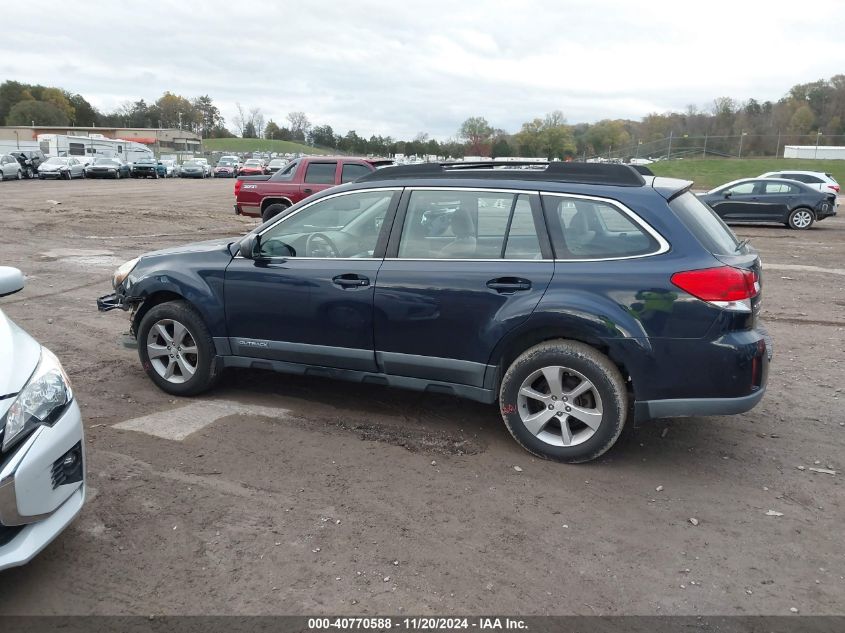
(704, 151)
(180, 120)
(741, 136)
(639, 143)
(818, 136)
(777, 147)
(669, 151)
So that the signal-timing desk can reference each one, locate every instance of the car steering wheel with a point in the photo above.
(320, 245)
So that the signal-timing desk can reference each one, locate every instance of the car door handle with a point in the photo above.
(508, 285)
(350, 280)
(308, 191)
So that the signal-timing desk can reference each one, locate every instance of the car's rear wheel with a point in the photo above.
(564, 401)
(20, 175)
(801, 219)
(176, 349)
(272, 210)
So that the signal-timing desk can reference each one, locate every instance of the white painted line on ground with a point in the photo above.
(177, 424)
(801, 268)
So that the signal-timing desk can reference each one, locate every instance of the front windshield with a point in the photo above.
(106, 161)
(255, 163)
(225, 163)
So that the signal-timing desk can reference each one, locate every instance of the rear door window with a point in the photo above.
(594, 229)
(780, 187)
(461, 224)
(704, 224)
(320, 173)
(353, 171)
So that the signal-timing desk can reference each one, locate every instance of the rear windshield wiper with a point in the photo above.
(741, 244)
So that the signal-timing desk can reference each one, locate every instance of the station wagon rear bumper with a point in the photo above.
(689, 407)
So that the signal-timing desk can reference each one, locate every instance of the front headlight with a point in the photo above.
(123, 271)
(41, 401)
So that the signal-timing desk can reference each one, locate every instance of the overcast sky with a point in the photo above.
(401, 67)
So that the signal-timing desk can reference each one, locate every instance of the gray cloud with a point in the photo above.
(401, 68)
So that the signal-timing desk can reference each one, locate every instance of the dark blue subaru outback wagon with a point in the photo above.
(576, 296)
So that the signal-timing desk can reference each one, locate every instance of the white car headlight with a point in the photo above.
(123, 271)
(41, 401)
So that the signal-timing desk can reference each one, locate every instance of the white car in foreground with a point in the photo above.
(42, 454)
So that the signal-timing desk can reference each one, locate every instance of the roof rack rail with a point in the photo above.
(556, 171)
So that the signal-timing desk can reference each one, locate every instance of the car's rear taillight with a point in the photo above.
(726, 287)
(237, 187)
(834, 187)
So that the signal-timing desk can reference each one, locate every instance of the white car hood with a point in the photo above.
(19, 355)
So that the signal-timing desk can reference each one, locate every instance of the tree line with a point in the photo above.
(810, 110)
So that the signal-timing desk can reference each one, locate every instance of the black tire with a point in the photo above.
(606, 379)
(2, 177)
(207, 369)
(68, 175)
(29, 173)
(801, 219)
(272, 210)
(20, 175)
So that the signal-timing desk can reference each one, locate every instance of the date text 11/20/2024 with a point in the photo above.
(416, 624)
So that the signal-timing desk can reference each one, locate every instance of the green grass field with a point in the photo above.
(259, 145)
(711, 172)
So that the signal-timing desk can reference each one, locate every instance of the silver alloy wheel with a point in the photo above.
(172, 351)
(559, 406)
(802, 219)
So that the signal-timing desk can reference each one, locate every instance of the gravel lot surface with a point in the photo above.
(278, 494)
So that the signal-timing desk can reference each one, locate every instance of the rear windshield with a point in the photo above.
(703, 222)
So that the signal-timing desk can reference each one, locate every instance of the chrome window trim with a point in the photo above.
(663, 244)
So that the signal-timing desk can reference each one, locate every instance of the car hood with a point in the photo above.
(209, 246)
(50, 167)
(19, 355)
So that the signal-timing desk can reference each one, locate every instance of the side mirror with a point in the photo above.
(11, 281)
(248, 246)
(727, 194)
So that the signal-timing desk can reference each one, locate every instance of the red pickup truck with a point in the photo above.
(267, 196)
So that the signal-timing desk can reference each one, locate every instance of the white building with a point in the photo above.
(836, 152)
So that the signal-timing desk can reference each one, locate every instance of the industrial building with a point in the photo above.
(818, 152)
(157, 139)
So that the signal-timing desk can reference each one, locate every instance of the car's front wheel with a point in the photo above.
(564, 401)
(176, 349)
(801, 219)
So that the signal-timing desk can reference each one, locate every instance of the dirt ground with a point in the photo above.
(308, 496)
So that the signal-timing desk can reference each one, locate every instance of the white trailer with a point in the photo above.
(826, 152)
(87, 148)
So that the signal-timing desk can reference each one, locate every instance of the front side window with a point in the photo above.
(320, 173)
(592, 229)
(339, 226)
(458, 224)
(742, 188)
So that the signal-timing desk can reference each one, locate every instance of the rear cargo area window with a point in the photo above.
(591, 229)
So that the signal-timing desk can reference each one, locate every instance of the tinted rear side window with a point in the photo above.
(592, 229)
(703, 222)
(353, 171)
(321, 173)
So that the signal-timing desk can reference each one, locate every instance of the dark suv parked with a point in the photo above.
(576, 296)
(29, 160)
